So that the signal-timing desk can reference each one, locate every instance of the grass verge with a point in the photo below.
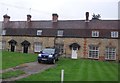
(12, 59)
(10, 74)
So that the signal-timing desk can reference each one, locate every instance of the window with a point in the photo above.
(95, 33)
(110, 53)
(3, 32)
(93, 52)
(37, 47)
(114, 34)
(3, 44)
(0, 45)
(60, 33)
(39, 32)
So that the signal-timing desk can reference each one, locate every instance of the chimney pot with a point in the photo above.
(54, 17)
(6, 18)
(87, 17)
(29, 18)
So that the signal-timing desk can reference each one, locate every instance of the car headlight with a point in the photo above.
(50, 55)
(39, 55)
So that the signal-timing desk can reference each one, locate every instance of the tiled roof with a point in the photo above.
(72, 28)
(65, 24)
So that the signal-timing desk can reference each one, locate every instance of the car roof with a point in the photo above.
(49, 48)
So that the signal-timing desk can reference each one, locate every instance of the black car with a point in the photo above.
(49, 55)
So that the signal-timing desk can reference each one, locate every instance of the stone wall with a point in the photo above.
(85, 42)
(49, 42)
(45, 41)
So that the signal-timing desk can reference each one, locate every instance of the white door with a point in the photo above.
(74, 54)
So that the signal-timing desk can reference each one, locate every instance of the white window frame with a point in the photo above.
(3, 32)
(95, 33)
(110, 53)
(114, 34)
(0, 45)
(93, 51)
(60, 33)
(3, 45)
(37, 47)
(39, 32)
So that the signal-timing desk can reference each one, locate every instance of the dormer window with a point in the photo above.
(39, 32)
(114, 34)
(60, 33)
(95, 33)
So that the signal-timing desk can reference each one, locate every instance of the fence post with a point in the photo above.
(62, 76)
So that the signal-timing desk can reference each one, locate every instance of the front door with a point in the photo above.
(12, 48)
(74, 53)
(25, 49)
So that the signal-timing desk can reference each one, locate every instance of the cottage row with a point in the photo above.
(94, 39)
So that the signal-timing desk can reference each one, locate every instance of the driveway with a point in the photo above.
(29, 69)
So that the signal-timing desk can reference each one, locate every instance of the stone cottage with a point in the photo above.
(93, 39)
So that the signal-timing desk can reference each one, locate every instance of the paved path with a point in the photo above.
(28, 68)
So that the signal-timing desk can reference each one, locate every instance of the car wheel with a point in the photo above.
(53, 61)
(39, 61)
(57, 59)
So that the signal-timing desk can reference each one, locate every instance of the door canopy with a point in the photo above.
(74, 46)
(25, 43)
(12, 42)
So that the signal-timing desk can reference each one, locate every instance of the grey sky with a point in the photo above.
(66, 9)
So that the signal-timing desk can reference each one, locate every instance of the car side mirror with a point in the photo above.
(40, 51)
(56, 52)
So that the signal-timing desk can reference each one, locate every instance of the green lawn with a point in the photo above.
(12, 59)
(10, 74)
(79, 70)
(0, 59)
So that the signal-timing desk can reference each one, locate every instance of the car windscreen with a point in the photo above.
(49, 51)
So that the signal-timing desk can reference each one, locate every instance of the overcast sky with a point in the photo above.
(66, 9)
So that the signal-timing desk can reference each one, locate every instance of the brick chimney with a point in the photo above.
(6, 18)
(54, 17)
(29, 18)
(87, 17)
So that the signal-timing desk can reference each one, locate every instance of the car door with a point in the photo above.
(56, 54)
